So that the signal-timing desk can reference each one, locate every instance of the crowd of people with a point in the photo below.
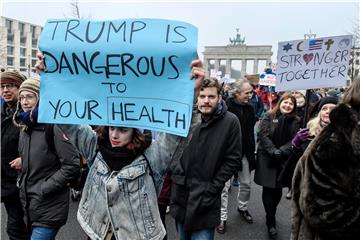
(306, 141)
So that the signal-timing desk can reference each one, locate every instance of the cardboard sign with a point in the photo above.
(126, 72)
(313, 63)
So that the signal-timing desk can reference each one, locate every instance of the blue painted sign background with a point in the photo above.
(125, 72)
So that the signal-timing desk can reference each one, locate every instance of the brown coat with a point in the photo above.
(326, 182)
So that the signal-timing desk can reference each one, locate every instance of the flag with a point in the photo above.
(315, 44)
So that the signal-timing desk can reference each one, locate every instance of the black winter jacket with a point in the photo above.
(9, 151)
(45, 174)
(210, 159)
(268, 167)
(246, 115)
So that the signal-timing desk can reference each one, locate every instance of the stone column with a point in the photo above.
(206, 67)
(267, 62)
(256, 65)
(228, 67)
(217, 64)
(243, 67)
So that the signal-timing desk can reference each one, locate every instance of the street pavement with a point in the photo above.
(237, 228)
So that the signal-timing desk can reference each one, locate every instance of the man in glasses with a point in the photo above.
(10, 161)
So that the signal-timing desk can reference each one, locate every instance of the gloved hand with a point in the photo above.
(277, 154)
(300, 137)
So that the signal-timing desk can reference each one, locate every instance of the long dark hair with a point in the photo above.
(139, 142)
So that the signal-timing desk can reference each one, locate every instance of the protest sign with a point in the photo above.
(313, 63)
(126, 72)
(266, 79)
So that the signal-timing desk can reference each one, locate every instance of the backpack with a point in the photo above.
(78, 182)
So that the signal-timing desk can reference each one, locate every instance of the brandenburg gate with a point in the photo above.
(232, 60)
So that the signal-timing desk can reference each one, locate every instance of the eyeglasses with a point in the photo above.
(27, 97)
(8, 86)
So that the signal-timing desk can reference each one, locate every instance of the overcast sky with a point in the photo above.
(262, 23)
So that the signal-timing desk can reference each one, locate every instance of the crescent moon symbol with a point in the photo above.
(298, 46)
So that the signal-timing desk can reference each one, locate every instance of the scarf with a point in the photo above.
(282, 131)
(116, 157)
(29, 119)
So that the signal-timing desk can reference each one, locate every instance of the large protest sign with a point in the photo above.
(126, 72)
(313, 63)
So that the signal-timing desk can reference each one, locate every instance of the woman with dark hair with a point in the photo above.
(277, 130)
(119, 199)
(326, 182)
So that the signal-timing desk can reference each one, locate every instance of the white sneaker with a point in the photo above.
(167, 209)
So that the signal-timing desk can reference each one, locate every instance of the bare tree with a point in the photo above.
(355, 32)
(75, 9)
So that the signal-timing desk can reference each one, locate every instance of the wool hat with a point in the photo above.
(13, 77)
(327, 100)
(31, 85)
(303, 92)
(333, 93)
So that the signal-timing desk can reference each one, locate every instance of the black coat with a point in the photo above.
(45, 174)
(9, 151)
(211, 158)
(246, 115)
(268, 168)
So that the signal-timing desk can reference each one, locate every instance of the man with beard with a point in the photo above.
(211, 156)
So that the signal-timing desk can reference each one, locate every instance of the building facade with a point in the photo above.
(18, 45)
(354, 67)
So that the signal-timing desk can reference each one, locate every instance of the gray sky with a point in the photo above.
(262, 23)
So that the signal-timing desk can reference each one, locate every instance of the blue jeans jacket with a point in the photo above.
(126, 200)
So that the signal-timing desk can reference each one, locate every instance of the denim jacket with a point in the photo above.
(126, 199)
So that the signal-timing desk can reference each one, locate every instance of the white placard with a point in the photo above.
(267, 79)
(313, 63)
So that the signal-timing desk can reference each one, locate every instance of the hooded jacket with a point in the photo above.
(45, 175)
(326, 182)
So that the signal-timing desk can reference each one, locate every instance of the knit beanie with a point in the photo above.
(327, 100)
(32, 85)
(12, 77)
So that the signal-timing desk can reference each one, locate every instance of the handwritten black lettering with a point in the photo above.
(87, 34)
(69, 30)
(141, 26)
(112, 26)
(56, 25)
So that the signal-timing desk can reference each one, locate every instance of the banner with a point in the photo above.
(313, 63)
(126, 72)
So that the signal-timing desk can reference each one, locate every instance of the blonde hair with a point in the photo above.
(314, 125)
